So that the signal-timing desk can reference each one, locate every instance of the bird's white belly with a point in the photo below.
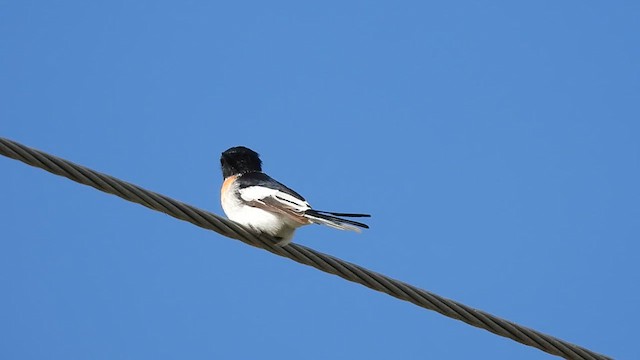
(256, 218)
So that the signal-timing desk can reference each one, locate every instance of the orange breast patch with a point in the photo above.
(227, 184)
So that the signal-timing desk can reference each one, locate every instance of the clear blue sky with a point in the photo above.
(496, 145)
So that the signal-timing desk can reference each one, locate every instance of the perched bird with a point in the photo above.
(252, 198)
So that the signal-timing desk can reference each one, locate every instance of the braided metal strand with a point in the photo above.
(299, 253)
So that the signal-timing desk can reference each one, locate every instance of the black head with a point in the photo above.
(239, 160)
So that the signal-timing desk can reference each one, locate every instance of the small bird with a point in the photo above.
(252, 198)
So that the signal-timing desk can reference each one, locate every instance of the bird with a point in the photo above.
(254, 199)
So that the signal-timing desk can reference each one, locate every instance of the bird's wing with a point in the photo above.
(259, 190)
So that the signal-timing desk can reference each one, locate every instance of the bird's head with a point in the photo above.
(239, 160)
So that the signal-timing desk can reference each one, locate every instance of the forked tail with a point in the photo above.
(333, 220)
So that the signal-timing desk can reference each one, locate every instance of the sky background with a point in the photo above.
(495, 144)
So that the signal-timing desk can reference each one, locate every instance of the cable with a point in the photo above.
(299, 253)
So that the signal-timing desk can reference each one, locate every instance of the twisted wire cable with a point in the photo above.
(299, 253)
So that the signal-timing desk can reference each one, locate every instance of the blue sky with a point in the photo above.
(496, 145)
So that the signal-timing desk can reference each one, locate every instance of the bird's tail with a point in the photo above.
(333, 220)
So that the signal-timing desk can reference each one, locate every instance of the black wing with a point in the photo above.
(264, 180)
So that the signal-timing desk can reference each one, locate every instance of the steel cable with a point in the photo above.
(299, 253)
